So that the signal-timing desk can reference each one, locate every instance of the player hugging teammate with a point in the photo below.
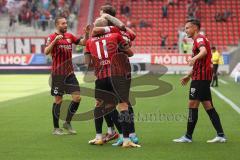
(107, 51)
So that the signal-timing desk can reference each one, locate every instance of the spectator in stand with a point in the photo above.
(122, 10)
(12, 21)
(227, 14)
(35, 20)
(224, 16)
(51, 23)
(38, 13)
(43, 21)
(125, 9)
(71, 20)
(53, 11)
(164, 11)
(28, 17)
(163, 40)
(2, 6)
(143, 24)
(192, 9)
(218, 17)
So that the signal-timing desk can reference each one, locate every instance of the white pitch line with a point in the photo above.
(222, 81)
(228, 101)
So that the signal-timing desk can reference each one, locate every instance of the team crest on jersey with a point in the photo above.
(69, 40)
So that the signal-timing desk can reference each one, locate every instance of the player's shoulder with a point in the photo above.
(200, 38)
(67, 34)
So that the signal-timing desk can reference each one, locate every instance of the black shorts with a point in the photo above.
(200, 90)
(118, 86)
(61, 85)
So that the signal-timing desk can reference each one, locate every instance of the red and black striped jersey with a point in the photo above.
(104, 51)
(122, 60)
(202, 68)
(62, 53)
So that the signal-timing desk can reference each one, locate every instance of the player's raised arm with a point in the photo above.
(87, 56)
(86, 36)
(50, 44)
(115, 21)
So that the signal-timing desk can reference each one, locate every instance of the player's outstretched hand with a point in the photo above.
(184, 80)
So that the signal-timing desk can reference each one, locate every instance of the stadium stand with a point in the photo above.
(149, 39)
(35, 18)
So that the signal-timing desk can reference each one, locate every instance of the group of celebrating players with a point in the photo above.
(107, 52)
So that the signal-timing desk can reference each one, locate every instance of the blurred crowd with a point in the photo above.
(39, 13)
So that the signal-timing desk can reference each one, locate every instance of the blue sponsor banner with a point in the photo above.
(39, 59)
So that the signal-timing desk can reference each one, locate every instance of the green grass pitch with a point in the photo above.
(26, 125)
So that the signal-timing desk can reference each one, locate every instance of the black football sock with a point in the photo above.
(132, 125)
(214, 117)
(108, 119)
(192, 121)
(115, 118)
(124, 120)
(73, 107)
(56, 114)
(98, 120)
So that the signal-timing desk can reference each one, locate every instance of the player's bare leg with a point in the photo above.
(56, 114)
(214, 117)
(73, 106)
